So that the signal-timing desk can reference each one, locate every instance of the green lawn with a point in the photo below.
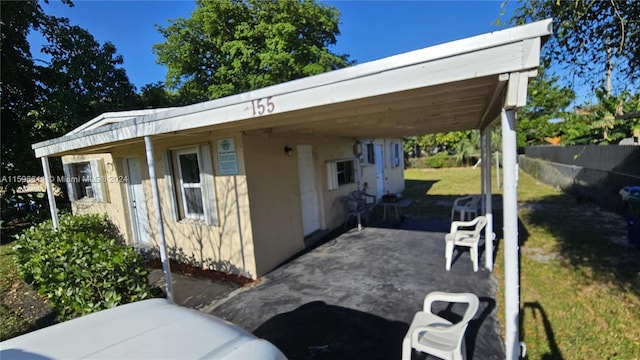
(580, 292)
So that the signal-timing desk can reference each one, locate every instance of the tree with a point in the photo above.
(545, 112)
(591, 37)
(79, 79)
(17, 81)
(232, 46)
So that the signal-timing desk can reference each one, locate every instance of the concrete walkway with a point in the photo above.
(355, 296)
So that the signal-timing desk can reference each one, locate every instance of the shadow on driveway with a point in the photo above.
(355, 296)
(319, 331)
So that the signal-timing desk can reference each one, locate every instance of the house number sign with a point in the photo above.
(263, 106)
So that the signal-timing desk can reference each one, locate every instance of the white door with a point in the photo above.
(379, 171)
(308, 191)
(137, 203)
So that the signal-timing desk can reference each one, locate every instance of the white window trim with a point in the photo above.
(98, 180)
(183, 185)
(207, 183)
(396, 154)
(332, 173)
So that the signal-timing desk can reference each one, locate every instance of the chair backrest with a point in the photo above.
(478, 223)
(481, 222)
(357, 195)
(349, 205)
(465, 298)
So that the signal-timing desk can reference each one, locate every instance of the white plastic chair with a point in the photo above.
(432, 334)
(464, 233)
(465, 206)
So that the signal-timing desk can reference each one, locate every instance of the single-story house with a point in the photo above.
(237, 183)
(235, 201)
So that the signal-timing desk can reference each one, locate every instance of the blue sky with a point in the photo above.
(369, 29)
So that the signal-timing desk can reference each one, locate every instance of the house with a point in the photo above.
(236, 183)
(235, 201)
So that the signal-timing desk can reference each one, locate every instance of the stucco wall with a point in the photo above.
(115, 189)
(227, 246)
(276, 213)
(259, 210)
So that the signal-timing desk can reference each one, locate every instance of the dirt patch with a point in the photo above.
(29, 306)
(201, 273)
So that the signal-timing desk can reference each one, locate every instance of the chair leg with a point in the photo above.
(474, 257)
(406, 348)
(448, 254)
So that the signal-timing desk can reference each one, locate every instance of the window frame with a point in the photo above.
(173, 179)
(184, 207)
(333, 174)
(76, 181)
(396, 154)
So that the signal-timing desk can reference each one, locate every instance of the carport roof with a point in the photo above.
(458, 85)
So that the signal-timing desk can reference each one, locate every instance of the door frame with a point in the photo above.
(316, 212)
(378, 150)
(134, 212)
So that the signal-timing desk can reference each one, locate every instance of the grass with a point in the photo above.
(21, 308)
(11, 323)
(580, 289)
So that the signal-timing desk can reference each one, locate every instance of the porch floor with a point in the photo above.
(354, 296)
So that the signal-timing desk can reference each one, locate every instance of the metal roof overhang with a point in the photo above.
(459, 85)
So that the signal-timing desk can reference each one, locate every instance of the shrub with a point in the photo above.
(441, 160)
(80, 268)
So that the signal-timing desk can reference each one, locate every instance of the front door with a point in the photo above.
(379, 171)
(308, 191)
(137, 203)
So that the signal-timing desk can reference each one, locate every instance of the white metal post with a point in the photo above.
(488, 230)
(50, 195)
(166, 268)
(511, 250)
(483, 170)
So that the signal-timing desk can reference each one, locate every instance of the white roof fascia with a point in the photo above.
(505, 51)
(114, 117)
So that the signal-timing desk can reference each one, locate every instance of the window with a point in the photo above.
(371, 158)
(192, 204)
(82, 181)
(85, 180)
(397, 154)
(345, 173)
(190, 181)
(340, 173)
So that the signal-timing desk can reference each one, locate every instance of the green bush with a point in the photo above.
(441, 160)
(81, 268)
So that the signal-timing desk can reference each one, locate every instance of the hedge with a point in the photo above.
(80, 268)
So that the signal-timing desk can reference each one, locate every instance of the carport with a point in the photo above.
(474, 83)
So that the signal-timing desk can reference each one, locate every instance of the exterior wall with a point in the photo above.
(276, 211)
(113, 207)
(259, 210)
(393, 176)
(274, 190)
(227, 246)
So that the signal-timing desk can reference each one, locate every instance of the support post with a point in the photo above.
(166, 268)
(488, 230)
(483, 170)
(50, 195)
(511, 247)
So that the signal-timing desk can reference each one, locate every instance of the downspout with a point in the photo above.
(489, 236)
(50, 195)
(511, 247)
(166, 269)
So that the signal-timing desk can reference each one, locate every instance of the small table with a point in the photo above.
(394, 204)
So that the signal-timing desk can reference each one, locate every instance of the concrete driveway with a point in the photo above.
(355, 296)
